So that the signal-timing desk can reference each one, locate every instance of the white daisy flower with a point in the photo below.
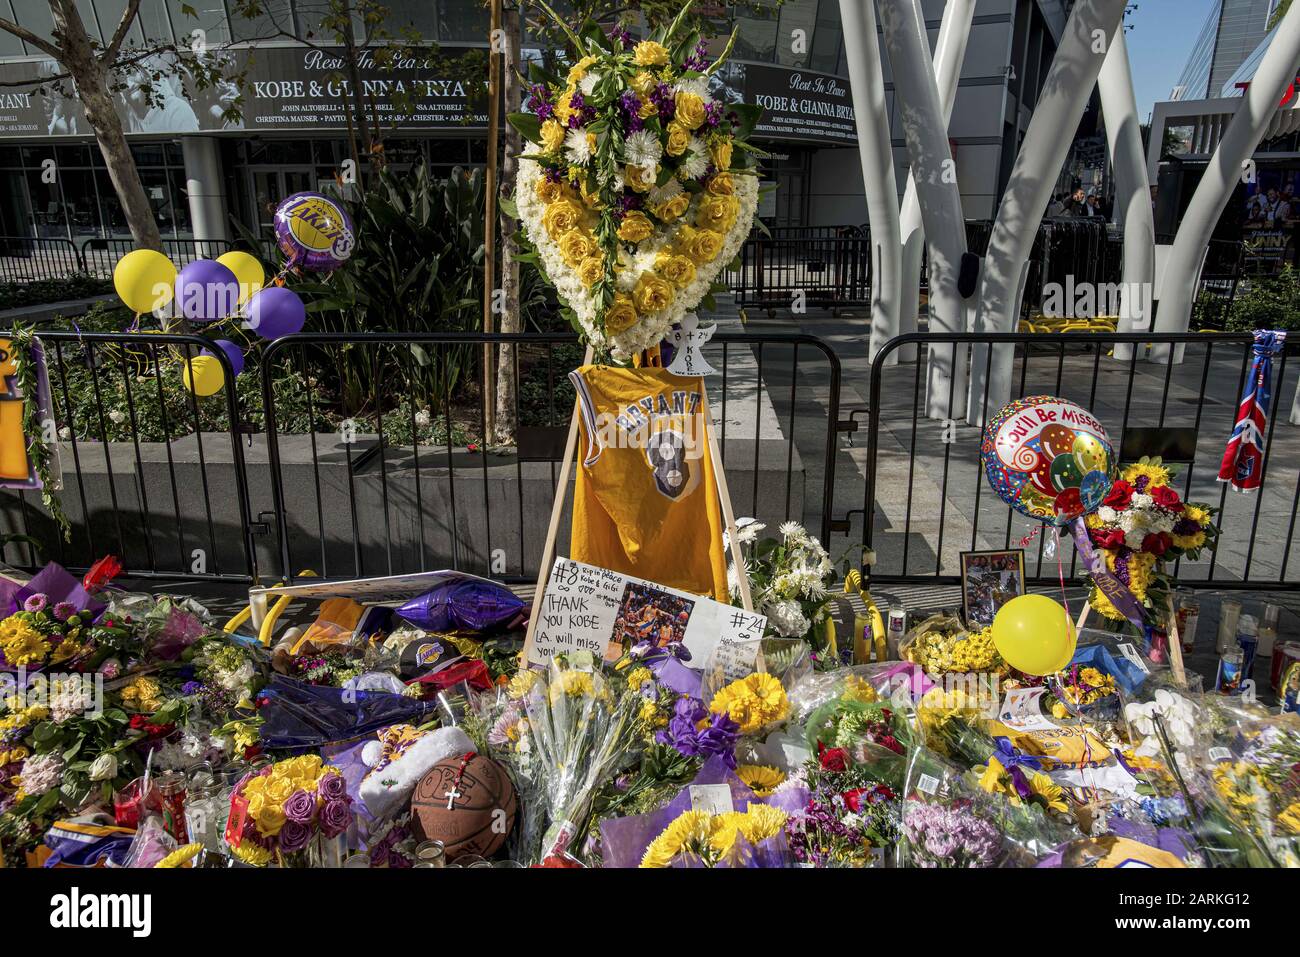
(662, 194)
(699, 86)
(588, 83)
(642, 149)
(695, 161)
(576, 148)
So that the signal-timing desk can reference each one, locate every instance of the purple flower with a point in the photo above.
(713, 114)
(698, 61)
(36, 602)
(335, 817)
(718, 736)
(191, 688)
(300, 806)
(294, 835)
(64, 610)
(332, 787)
(619, 32)
(665, 101)
(538, 102)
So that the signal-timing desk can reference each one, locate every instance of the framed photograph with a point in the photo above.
(652, 614)
(988, 581)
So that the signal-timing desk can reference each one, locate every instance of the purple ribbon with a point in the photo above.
(1110, 586)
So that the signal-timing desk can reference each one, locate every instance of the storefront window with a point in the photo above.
(827, 40)
(277, 17)
(208, 16)
(35, 16)
(462, 20)
(418, 15)
(756, 36)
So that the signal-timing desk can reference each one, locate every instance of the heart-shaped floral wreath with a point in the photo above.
(642, 187)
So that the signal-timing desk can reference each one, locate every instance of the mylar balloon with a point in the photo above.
(143, 279)
(314, 231)
(206, 291)
(276, 312)
(1034, 634)
(1048, 458)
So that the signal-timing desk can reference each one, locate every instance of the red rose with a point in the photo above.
(1157, 543)
(1120, 495)
(138, 721)
(1166, 498)
(1107, 537)
(890, 742)
(832, 759)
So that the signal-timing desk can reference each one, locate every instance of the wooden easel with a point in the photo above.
(561, 492)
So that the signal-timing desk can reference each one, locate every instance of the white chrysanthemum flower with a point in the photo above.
(733, 579)
(747, 530)
(662, 194)
(793, 531)
(787, 619)
(695, 162)
(1106, 514)
(642, 149)
(588, 83)
(1141, 501)
(577, 149)
(699, 86)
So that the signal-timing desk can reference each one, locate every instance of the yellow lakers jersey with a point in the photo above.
(645, 502)
(14, 464)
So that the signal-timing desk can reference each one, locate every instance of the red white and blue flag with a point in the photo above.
(1243, 460)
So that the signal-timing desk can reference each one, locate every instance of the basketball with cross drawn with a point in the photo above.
(468, 803)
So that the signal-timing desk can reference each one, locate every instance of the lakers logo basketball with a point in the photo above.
(313, 230)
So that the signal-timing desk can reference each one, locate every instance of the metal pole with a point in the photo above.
(862, 52)
(949, 52)
(495, 58)
(1132, 197)
(925, 130)
(1276, 72)
(1065, 93)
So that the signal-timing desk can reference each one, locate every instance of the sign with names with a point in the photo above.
(603, 612)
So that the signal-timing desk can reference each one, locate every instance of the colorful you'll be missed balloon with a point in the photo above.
(1048, 458)
(314, 231)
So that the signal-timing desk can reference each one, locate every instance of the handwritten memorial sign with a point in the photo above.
(591, 609)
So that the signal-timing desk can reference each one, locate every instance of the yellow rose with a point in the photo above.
(19, 753)
(552, 136)
(306, 766)
(705, 246)
(647, 109)
(679, 137)
(640, 178)
(256, 802)
(643, 83)
(280, 788)
(634, 228)
(721, 185)
(579, 69)
(651, 294)
(716, 212)
(575, 246)
(621, 315)
(591, 270)
(548, 191)
(673, 208)
(676, 269)
(649, 53)
(690, 109)
(560, 217)
(270, 820)
(720, 152)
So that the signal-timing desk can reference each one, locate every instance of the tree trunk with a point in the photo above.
(91, 80)
(510, 320)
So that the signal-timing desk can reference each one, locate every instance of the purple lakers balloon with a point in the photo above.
(314, 231)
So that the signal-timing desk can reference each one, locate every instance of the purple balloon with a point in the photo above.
(206, 291)
(233, 353)
(314, 231)
(275, 311)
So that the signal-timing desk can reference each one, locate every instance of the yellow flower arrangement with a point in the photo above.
(690, 109)
(712, 836)
(250, 852)
(552, 136)
(1290, 818)
(591, 270)
(638, 677)
(560, 217)
(1155, 473)
(720, 152)
(181, 856)
(640, 178)
(621, 315)
(651, 294)
(760, 778)
(143, 694)
(753, 702)
(676, 269)
(575, 246)
(960, 653)
(572, 684)
(635, 227)
(679, 137)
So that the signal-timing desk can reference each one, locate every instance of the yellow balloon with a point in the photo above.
(1034, 634)
(247, 270)
(203, 375)
(1089, 453)
(144, 279)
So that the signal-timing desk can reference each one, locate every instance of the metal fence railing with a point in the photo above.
(28, 259)
(926, 498)
(151, 473)
(373, 453)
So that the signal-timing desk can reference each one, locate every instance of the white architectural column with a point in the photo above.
(1132, 196)
(1276, 72)
(206, 187)
(1069, 83)
(862, 52)
(949, 53)
(925, 129)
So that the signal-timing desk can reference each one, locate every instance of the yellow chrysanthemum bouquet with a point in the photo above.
(638, 185)
(754, 837)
